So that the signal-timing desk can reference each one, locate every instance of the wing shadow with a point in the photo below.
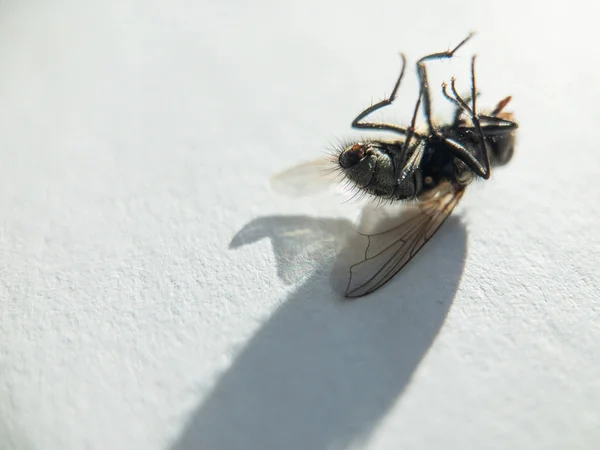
(321, 373)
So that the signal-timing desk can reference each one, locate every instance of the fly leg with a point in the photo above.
(422, 73)
(458, 111)
(492, 126)
(480, 164)
(356, 123)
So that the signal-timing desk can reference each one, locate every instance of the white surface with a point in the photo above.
(156, 294)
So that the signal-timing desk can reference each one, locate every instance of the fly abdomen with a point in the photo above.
(376, 167)
(409, 188)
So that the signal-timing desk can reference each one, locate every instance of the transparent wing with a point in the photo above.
(388, 251)
(306, 179)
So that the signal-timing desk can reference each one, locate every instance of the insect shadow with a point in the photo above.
(321, 372)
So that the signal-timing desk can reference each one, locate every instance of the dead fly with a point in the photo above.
(429, 169)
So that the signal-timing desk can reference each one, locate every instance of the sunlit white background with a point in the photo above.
(156, 293)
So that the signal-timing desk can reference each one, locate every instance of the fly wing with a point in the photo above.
(384, 253)
(306, 179)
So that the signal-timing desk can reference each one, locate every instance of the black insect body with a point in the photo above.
(431, 168)
(427, 171)
(406, 168)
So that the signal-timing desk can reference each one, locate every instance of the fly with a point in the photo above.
(427, 170)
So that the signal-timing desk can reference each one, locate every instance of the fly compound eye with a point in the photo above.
(508, 154)
(352, 155)
(462, 173)
(502, 149)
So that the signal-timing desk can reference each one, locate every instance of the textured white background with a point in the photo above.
(157, 294)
